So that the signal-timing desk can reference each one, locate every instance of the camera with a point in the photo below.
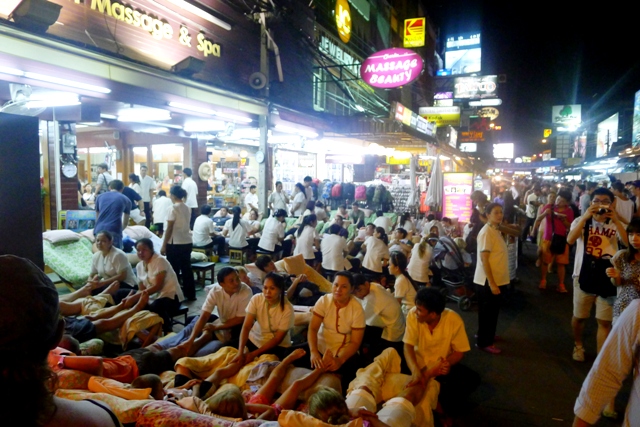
(602, 211)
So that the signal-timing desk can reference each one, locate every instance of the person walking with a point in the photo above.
(190, 186)
(177, 243)
(147, 185)
(278, 199)
(492, 272)
(112, 212)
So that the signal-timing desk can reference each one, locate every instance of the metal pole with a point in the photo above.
(265, 167)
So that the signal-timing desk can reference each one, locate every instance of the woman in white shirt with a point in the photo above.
(278, 199)
(135, 183)
(108, 265)
(177, 243)
(267, 325)
(404, 289)
(307, 239)
(237, 230)
(376, 254)
(419, 262)
(273, 233)
(157, 277)
(404, 221)
(334, 251)
(299, 202)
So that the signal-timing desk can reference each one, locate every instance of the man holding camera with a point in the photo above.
(596, 235)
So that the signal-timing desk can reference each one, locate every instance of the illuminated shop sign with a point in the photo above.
(566, 115)
(457, 188)
(391, 68)
(414, 31)
(489, 112)
(411, 119)
(343, 20)
(475, 87)
(339, 55)
(155, 26)
(463, 54)
(442, 116)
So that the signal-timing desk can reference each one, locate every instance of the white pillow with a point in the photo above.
(89, 235)
(59, 236)
(367, 212)
(137, 232)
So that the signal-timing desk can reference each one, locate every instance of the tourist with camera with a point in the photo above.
(596, 234)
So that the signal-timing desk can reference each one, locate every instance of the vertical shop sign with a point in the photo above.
(343, 20)
(456, 192)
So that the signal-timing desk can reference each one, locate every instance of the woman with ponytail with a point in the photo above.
(267, 323)
(237, 230)
(418, 267)
(307, 239)
(404, 289)
(177, 242)
(376, 254)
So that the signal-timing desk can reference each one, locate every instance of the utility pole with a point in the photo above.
(265, 167)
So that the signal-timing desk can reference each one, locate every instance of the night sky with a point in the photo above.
(552, 53)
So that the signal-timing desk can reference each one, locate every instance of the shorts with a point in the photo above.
(150, 362)
(80, 328)
(262, 400)
(547, 256)
(582, 303)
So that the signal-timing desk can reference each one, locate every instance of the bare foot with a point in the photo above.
(181, 350)
(85, 291)
(112, 288)
(294, 355)
(129, 301)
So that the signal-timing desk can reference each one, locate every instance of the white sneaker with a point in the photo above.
(578, 353)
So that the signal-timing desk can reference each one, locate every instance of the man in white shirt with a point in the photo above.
(147, 184)
(383, 221)
(251, 199)
(307, 187)
(161, 207)
(190, 186)
(531, 210)
(617, 359)
(435, 341)
(383, 316)
(230, 297)
(278, 199)
(624, 205)
(104, 179)
(205, 235)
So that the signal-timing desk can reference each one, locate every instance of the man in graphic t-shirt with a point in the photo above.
(596, 235)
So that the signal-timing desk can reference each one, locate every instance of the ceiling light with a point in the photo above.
(234, 117)
(52, 99)
(205, 126)
(228, 153)
(243, 154)
(65, 82)
(143, 114)
(192, 108)
(359, 108)
(201, 13)
(108, 116)
(153, 129)
(12, 71)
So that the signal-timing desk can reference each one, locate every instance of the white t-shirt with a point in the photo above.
(433, 223)
(382, 310)
(408, 226)
(147, 274)
(384, 222)
(269, 320)
(271, 234)
(405, 290)
(602, 241)
(146, 185)
(229, 306)
(531, 209)
(491, 240)
(337, 323)
(251, 198)
(202, 229)
(418, 267)
(448, 336)
(376, 252)
(279, 200)
(112, 264)
(305, 241)
(301, 201)
(181, 214)
(136, 187)
(624, 209)
(333, 247)
(238, 235)
(190, 186)
(161, 207)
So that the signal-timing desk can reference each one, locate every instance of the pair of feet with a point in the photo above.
(491, 349)
(561, 288)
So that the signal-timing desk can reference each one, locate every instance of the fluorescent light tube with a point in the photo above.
(205, 126)
(143, 114)
(65, 82)
(193, 108)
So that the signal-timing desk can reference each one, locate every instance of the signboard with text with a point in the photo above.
(441, 116)
(566, 115)
(411, 119)
(457, 188)
(475, 87)
(463, 54)
(391, 68)
(414, 32)
(471, 136)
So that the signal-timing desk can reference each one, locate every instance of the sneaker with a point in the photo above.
(562, 289)
(492, 349)
(543, 284)
(578, 353)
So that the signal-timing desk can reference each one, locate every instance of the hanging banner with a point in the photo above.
(391, 68)
(457, 188)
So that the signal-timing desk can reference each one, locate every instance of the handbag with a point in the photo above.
(558, 241)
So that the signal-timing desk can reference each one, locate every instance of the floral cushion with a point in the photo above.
(70, 260)
(165, 414)
(126, 410)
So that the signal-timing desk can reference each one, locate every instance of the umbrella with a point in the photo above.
(434, 192)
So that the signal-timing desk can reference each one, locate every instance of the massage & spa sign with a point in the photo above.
(391, 68)
(457, 188)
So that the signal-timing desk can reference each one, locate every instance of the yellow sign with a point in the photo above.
(343, 20)
(547, 133)
(414, 30)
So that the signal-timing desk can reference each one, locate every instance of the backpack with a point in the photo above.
(371, 190)
(378, 194)
(105, 186)
(326, 191)
(336, 191)
(348, 191)
(361, 193)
